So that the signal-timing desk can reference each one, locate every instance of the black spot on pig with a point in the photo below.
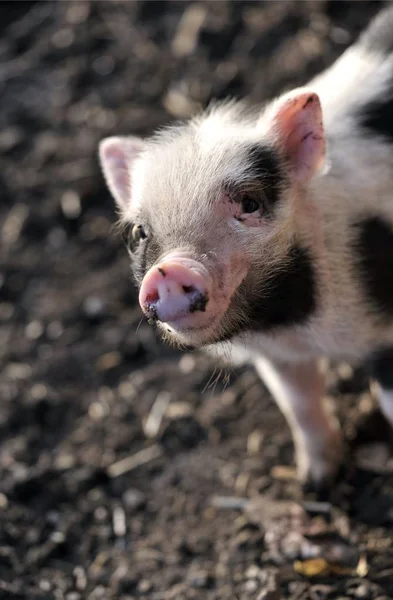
(265, 167)
(377, 115)
(381, 367)
(378, 37)
(373, 256)
(288, 297)
(199, 303)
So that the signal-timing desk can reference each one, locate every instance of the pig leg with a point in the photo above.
(382, 373)
(298, 390)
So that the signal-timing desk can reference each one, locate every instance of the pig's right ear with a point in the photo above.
(117, 155)
(294, 123)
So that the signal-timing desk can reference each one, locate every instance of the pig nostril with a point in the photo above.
(188, 289)
(198, 299)
(152, 297)
(171, 293)
(199, 303)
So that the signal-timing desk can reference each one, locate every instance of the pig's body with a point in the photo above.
(248, 239)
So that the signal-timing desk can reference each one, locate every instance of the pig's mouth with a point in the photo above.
(192, 336)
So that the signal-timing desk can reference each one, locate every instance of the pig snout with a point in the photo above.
(176, 291)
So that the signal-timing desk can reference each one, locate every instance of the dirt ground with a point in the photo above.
(129, 470)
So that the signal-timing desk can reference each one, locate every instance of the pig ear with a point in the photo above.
(295, 123)
(117, 155)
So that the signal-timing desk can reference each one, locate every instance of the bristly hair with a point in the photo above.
(230, 110)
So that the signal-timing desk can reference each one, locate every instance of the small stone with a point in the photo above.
(63, 38)
(127, 390)
(6, 311)
(64, 462)
(77, 12)
(178, 104)
(13, 224)
(54, 330)
(96, 411)
(38, 391)
(283, 473)
(133, 499)
(119, 521)
(144, 586)
(252, 572)
(251, 586)
(345, 371)
(98, 593)
(93, 307)
(80, 578)
(101, 514)
(73, 596)
(45, 585)
(108, 361)
(254, 442)
(178, 409)
(9, 138)
(18, 371)
(228, 398)
(58, 537)
(103, 65)
(71, 204)
(187, 363)
(340, 35)
(3, 501)
(362, 591)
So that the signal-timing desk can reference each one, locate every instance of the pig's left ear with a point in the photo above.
(294, 123)
(117, 155)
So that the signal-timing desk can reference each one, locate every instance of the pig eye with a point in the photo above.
(138, 233)
(135, 234)
(248, 204)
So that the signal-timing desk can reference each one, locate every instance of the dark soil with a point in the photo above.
(84, 380)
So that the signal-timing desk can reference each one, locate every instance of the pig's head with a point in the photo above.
(212, 208)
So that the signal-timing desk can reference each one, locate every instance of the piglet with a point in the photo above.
(268, 234)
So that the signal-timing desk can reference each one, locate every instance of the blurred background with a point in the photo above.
(112, 447)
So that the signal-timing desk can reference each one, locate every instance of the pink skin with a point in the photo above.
(297, 121)
(180, 292)
(189, 297)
